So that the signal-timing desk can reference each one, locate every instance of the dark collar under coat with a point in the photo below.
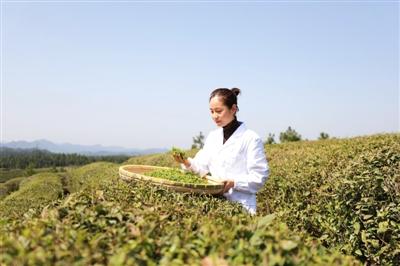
(230, 128)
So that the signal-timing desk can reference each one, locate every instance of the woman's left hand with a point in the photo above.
(228, 184)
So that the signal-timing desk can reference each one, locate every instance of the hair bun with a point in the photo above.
(236, 91)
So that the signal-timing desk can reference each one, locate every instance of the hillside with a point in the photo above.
(35, 158)
(332, 202)
(68, 148)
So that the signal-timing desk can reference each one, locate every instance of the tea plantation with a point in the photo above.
(331, 202)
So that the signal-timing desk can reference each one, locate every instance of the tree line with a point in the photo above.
(35, 158)
(289, 135)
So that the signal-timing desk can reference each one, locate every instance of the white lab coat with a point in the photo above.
(241, 158)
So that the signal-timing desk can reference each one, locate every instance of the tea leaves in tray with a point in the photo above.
(178, 176)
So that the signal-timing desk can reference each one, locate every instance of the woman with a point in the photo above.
(231, 153)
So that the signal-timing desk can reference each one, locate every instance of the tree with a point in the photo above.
(29, 171)
(53, 169)
(198, 141)
(289, 135)
(270, 139)
(323, 135)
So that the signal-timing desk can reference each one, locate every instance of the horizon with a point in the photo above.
(138, 75)
(168, 148)
(80, 144)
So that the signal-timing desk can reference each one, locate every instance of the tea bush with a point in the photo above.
(325, 188)
(40, 190)
(139, 224)
(7, 174)
(327, 198)
(344, 192)
(10, 186)
(90, 175)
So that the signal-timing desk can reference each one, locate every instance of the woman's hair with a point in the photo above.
(228, 96)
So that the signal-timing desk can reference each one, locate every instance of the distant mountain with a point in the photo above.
(75, 148)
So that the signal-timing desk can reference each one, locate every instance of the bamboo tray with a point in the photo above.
(138, 172)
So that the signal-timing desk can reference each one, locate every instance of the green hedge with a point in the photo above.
(90, 175)
(10, 186)
(139, 224)
(328, 197)
(38, 191)
(7, 174)
(343, 192)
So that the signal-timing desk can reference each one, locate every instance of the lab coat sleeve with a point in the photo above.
(199, 164)
(257, 169)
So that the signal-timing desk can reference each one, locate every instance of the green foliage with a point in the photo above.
(10, 186)
(90, 175)
(289, 135)
(54, 169)
(138, 224)
(161, 159)
(30, 170)
(7, 174)
(328, 197)
(323, 135)
(34, 193)
(270, 139)
(179, 153)
(174, 174)
(35, 158)
(344, 192)
(198, 141)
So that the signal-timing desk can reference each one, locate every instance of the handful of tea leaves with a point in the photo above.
(179, 153)
(178, 176)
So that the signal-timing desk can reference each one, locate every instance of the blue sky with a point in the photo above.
(137, 74)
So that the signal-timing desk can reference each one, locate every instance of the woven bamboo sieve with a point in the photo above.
(138, 172)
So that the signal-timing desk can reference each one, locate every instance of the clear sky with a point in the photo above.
(139, 74)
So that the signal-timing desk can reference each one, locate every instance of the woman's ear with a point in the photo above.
(234, 108)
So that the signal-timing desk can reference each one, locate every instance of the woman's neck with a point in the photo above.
(230, 128)
(233, 121)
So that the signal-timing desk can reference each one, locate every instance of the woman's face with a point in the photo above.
(220, 113)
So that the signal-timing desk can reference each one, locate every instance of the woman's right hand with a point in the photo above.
(179, 159)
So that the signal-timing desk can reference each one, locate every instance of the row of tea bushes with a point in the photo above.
(19, 195)
(344, 192)
(34, 193)
(90, 175)
(9, 186)
(328, 188)
(116, 223)
(7, 174)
